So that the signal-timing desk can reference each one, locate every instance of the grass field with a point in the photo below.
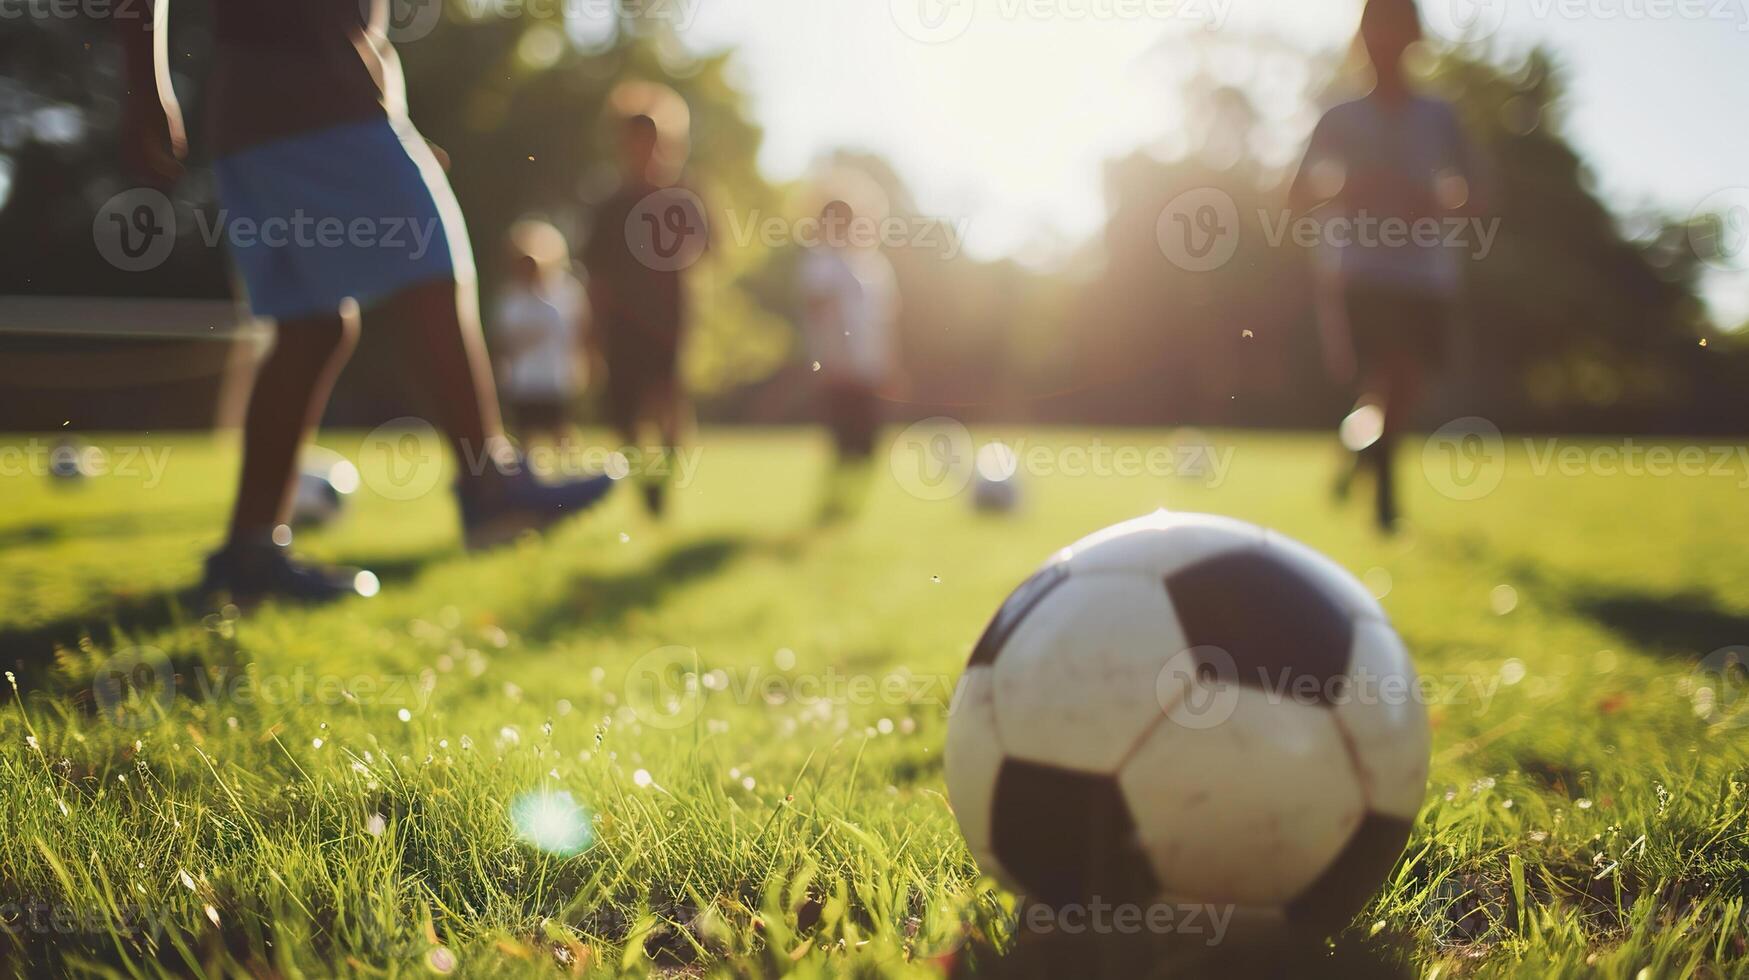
(358, 789)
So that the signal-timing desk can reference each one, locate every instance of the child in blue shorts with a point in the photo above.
(334, 207)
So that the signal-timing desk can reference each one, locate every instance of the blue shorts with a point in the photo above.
(357, 211)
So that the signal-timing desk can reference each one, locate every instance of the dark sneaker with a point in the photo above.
(250, 573)
(496, 515)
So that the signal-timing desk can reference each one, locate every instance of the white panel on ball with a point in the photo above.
(1247, 807)
(1382, 711)
(1075, 684)
(974, 758)
(1161, 543)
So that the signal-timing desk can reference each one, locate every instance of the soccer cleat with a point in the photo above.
(252, 572)
(496, 515)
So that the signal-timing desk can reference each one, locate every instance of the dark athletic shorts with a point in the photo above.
(636, 367)
(1391, 325)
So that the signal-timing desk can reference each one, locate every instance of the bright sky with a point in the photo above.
(1001, 111)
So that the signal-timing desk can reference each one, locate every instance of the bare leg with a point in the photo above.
(290, 391)
(448, 355)
(1398, 388)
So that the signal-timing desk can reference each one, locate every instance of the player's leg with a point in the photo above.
(1399, 389)
(499, 498)
(447, 351)
(290, 391)
(666, 409)
(291, 388)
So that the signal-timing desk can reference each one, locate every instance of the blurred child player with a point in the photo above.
(539, 318)
(642, 238)
(849, 303)
(1391, 155)
(308, 124)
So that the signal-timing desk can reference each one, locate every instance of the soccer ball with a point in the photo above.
(71, 460)
(1185, 708)
(995, 479)
(325, 480)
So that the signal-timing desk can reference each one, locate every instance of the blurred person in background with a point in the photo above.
(538, 325)
(850, 305)
(1394, 154)
(308, 123)
(641, 240)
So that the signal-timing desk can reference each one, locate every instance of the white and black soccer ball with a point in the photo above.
(996, 479)
(73, 460)
(325, 480)
(1185, 708)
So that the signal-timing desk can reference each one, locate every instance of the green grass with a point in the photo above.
(281, 815)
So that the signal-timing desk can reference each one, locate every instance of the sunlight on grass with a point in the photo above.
(470, 772)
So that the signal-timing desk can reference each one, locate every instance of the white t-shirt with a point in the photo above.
(850, 301)
(1394, 161)
(538, 330)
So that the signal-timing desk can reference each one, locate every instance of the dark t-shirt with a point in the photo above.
(641, 241)
(288, 24)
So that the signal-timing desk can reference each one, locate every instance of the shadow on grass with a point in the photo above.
(605, 600)
(113, 527)
(1687, 624)
(137, 616)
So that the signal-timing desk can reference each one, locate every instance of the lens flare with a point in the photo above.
(1362, 427)
(552, 822)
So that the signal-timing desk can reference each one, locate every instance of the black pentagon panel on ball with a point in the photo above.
(1014, 610)
(1342, 890)
(1068, 837)
(1279, 630)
